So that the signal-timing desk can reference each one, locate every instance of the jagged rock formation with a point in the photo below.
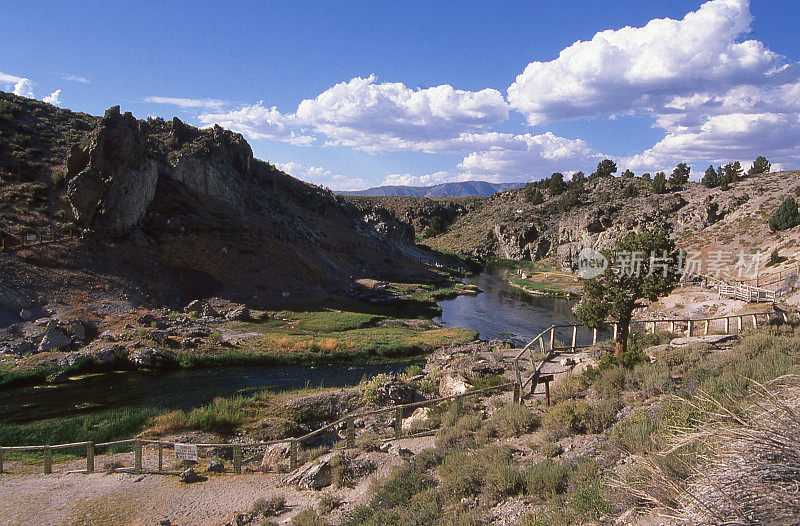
(172, 213)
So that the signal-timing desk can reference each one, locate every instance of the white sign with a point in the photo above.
(186, 452)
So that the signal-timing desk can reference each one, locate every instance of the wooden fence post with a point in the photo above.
(552, 337)
(516, 395)
(727, 325)
(137, 456)
(755, 323)
(398, 422)
(48, 460)
(594, 336)
(1, 460)
(547, 393)
(89, 457)
(574, 337)
(689, 328)
(672, 327)
(740, 323)
(616, 327)
(293, 455)
(708, 322)
(237, 459)
(351, 432)
(161, 457)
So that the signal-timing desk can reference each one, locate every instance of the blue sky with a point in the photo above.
(357, 94)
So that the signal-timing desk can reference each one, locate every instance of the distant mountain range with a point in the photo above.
(462, 189)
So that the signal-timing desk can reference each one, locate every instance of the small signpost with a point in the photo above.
(186, 452)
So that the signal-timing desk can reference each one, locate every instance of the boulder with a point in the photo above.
(58, 378)
(400, 451)
(240, 313)
(420, 415)
(209, 311)
(26, 314)
(54, 338)
(21, 348)
(567, 362)
(711, 339)
(216, 466)
(189, 476)
(274, 456)
(195, 306)
(112, 180)
(315, 475)
(449, 386)
(151, 358)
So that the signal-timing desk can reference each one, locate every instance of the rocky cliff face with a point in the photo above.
(508, 226)
(174, 213)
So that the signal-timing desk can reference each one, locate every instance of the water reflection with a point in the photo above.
(503, 311)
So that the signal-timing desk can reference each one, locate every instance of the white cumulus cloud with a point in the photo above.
(258, 122)
(643, 68)
(321, 176)
(76, 78)
(24, 88)
(53, 98)
(390, 116)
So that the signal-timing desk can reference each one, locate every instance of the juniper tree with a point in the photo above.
(680, 175)
(643, 267)
(760, 166)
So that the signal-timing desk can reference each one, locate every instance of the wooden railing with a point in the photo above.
(747, 293)
(545, 343)
(294, 444)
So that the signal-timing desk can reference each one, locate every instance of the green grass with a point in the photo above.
(335, 321)
(107, 426)
(291, 345)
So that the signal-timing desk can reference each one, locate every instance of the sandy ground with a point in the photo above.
(28, 497)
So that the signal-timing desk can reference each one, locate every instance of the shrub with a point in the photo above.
(653, 379)
(630, 191)
(268, 507)
(785, 217)
(328, 503)
(513, 420)
(460, 435)
(587, 499)
(436, 226)
(370, 393)
(546, 479)
(567, 417)
(551, 448)
(489, 471)
(307, 517)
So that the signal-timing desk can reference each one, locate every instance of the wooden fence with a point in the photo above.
(545, 345)
(137, 445)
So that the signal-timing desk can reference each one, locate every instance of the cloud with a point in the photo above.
(53, 98)
(741, 124)
(184, 103)
(24, 88)
(379, 117)
(420, 180)
(321, 176)
(527, 157)
(644, 68)
(76, 78)
(258, 122)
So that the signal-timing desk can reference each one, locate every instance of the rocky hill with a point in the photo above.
(158, 212)
(701, 220)
(461, 189)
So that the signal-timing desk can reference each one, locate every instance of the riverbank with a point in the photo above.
(376, 321)
(539, 278)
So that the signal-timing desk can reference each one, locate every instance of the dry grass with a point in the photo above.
(741, 466)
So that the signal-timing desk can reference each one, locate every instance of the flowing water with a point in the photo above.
(500, 311)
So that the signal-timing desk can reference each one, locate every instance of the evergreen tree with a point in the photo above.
(615, 295)
(680, 175)
(605, 168)
(646, 176)
(630, 191)
(760, 166)
(557, 184)
(628, 173)
(786, 216)
(710, 179)
(660, 183)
